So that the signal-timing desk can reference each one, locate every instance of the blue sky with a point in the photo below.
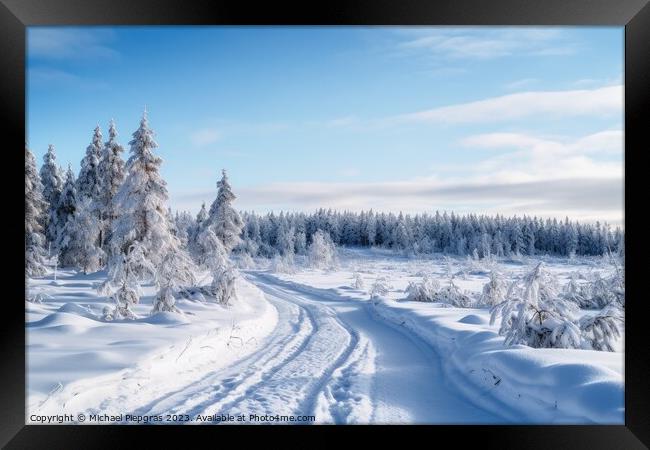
(511, 120)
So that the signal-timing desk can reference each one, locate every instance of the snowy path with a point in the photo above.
(328, 357)
(380, 374)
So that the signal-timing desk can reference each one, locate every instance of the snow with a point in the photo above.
(72, 355)
(307, 342)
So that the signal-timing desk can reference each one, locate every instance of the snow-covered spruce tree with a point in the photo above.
(80, 238)
(193, 235)
(123, 285)
(34, 211)
(215, 258)
(111, 173)
(65, 212)
(88, 183)
(322, 252)
(223, 218)
(534, 314)
(424, 291)
(141, 202)
(52, 186)
(142, 215)
(494, 291)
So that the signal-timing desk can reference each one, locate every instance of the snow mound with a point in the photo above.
(473, 319)
(66, 319)
(165, 318)
(74, 308)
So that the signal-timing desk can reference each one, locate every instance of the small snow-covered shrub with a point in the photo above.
(322, 251)
(452, 295)
(358, 281)
(282, 264)
(601, 330)
(534, 313)
(577, 292)
(494, 291)
(165, 301)
(176, 269)
(223, 285)
(380, 287)
(424, 291)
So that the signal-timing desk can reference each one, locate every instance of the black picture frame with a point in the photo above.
(634, 15)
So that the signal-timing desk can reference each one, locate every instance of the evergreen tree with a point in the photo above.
(141, 201)
(223, 218)
(111, 174)
(52, 185)
(65, 212)
(88, 183)
(34, 211)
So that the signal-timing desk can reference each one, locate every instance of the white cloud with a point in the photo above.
(205, 136)
(604, 101)
(550, 177)
(70, 43)
(486, 43)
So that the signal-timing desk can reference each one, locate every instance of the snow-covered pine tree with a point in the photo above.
(111, 173)
(223, 218)
(81, 237)
(34, 211)
(322, 251)
(88, 183)
(141, 202)
(52, 186)
(65, 212)
(142, 221)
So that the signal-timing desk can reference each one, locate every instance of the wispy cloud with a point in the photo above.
(486, 43)
(70, 43)
(205, 136)
(533, 175)
(46, 76)
(603, 101)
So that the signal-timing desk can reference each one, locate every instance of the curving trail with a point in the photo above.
(328, 357)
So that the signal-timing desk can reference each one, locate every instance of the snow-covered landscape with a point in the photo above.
(172, 319)
(339, 307)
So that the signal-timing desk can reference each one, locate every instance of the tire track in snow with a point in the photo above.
(293, 387)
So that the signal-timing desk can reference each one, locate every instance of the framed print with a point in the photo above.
(360, 216)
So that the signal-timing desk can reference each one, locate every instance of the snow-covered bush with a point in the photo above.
(602, 329)
(322, 252)
(424, 291)
(380, 287)
(282, 264)
(494, 291)
(579, 293)
(223, 285)
(358, 281)
(176, 269)
(534, 314)
(452, 295)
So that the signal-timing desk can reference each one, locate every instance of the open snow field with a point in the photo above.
(307, 343)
